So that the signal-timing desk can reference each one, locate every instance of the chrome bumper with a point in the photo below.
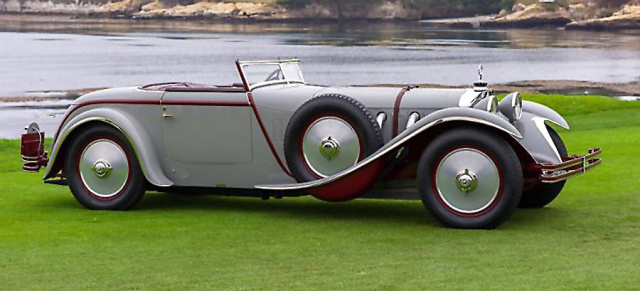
(572, 166)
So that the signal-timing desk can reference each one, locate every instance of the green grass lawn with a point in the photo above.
(588, 239)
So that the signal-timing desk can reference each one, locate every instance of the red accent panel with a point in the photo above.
(266, 134)
(32, 151)
(245, 84)
(350, 186)
(208, 103)
(192, 87)
(396, 111)
(32, 144)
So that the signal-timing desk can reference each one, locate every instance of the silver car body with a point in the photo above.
(233, 136)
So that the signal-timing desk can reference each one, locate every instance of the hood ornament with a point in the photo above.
(480, 85)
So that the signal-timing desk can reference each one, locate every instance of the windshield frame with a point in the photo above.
(248, 87)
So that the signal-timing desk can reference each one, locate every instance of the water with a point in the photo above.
(56, 55)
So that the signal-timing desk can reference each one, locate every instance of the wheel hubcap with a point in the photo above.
(104, 168)
(330, 145)
(467, 180)
(329, 148)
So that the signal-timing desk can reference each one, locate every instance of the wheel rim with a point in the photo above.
(330, 145)
(467, 181)
(104, 168)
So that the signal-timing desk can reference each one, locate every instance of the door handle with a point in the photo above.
(164, 112)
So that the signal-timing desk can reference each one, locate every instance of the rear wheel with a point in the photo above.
(542, 193)
(102, 170)
(470, 178)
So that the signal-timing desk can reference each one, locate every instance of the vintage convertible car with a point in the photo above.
(471, 159)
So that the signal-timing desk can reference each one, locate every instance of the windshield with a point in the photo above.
(266, 72)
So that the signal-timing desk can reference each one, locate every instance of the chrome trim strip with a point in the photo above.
(471, 97)
(554, 178)
(393, 144)
(62, 138)
(577, 160)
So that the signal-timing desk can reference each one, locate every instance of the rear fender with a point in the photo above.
(139, 140)
(339, 187)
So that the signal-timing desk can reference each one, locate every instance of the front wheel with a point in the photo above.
(542, 194)
(470, 178)
(102, 170)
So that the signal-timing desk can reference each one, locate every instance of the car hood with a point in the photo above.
(385, 97)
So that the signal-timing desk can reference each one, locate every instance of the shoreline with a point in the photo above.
(474, 22)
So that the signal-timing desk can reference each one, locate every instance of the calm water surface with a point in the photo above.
(46, 56)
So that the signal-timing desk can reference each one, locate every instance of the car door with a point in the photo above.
(207, 128)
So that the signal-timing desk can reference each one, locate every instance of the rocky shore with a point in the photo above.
(583, 15)
(157, 9)
(627, 18)
(577, 17)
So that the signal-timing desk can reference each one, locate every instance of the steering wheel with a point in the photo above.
(275, 75)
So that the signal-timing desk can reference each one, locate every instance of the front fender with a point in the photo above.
(544, 112)
(132, 130)
(365, 170)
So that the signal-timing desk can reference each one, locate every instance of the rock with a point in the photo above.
(222, 9)
(532, 16)
(518, 7)
(627, 18)
(123, 7)
(503, 13)
(209, 9)
(257, 9)
(155, 5)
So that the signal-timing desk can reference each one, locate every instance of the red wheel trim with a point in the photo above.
(129, 160)
(475, 214)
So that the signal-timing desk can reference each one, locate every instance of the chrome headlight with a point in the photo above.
(492, 105)
(488, 103)
(511, 106)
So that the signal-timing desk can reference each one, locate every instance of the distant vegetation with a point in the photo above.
(427, 8)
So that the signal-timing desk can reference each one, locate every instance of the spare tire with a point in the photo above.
(328, 134)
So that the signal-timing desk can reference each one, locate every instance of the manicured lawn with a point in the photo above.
(588, 239)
